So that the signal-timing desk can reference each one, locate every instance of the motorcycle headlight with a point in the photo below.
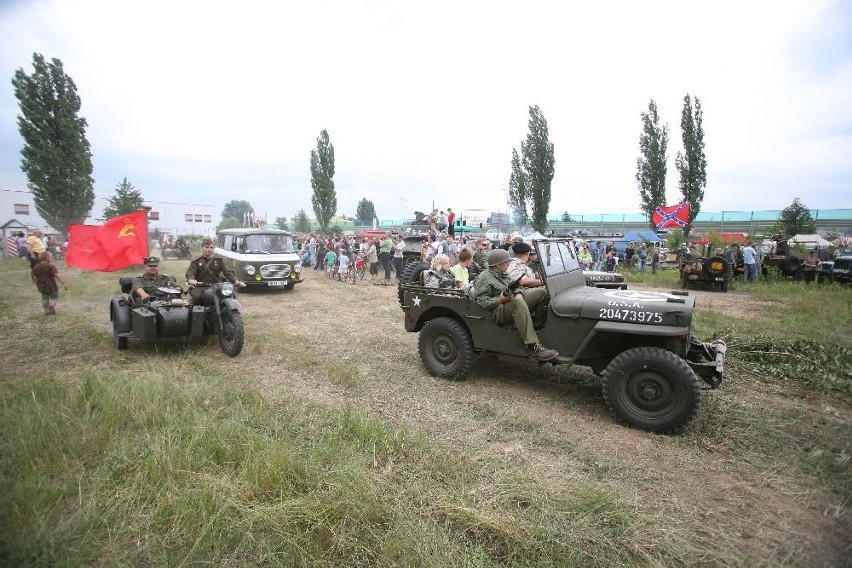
(227, 289)
(298, 268)
(250, 270)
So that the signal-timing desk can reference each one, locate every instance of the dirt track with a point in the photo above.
(549, 422)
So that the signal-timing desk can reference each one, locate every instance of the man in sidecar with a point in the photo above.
(147, 285)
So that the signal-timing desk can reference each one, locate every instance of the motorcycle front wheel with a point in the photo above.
(232, 333)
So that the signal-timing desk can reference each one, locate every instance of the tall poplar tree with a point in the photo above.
(324, 199)
(539, 167)
(651, 165)
(127, 199)
(692, 164)
(56, 156)
(517, 194)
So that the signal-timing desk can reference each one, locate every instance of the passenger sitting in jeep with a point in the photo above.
(492, 289)
(518, 267)
(440, 275)
(148, 284)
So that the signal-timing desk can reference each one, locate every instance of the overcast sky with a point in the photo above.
(207, 101)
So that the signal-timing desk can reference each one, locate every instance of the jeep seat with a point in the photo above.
(125, 282)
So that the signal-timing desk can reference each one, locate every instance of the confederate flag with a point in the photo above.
(120, 242)
(672, 216)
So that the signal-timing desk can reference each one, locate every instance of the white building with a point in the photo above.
(18, 213)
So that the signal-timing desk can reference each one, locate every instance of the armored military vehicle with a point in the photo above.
(640, 342)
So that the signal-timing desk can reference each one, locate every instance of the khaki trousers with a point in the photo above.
(518, 310)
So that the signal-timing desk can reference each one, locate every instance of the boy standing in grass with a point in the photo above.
(343, 266)
(330, 261)
(45, 275)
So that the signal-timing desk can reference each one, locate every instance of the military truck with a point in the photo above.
(640, 342)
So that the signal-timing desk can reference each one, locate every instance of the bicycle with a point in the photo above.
(359, 268)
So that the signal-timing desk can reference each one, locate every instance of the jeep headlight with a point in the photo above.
(298, 268)
(250, 270)
(227, 289)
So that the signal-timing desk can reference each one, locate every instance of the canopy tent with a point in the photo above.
(727, 238)
(646, 235)
(810, 241)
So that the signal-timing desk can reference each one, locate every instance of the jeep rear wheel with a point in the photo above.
(652, 389)
(446, 348)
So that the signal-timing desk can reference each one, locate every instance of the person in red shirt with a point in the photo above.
(45, 276)
(451, 217)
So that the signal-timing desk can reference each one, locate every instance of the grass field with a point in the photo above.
(325, 443)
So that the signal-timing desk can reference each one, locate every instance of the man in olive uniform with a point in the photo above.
(208, 268)
(493, 294)
(480, 255)
(148, 284)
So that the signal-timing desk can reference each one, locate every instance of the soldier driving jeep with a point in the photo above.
(493, 292)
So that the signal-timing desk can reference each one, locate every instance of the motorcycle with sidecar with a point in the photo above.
(168, 315)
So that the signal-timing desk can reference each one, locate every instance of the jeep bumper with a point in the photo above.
(707, 360)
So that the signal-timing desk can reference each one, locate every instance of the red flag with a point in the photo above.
(120, 242)
(672, 216)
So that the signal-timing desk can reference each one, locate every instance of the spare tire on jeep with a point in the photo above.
(716, 266)
(410, 275)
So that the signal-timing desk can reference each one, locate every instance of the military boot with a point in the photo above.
(542, 353)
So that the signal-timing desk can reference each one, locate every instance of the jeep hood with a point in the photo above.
(629, 306)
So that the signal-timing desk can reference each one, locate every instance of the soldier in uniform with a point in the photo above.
(147, 284)
(518, 267)
(208, 268)
(480, 255)
(493, 294)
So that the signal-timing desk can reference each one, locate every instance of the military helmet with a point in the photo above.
(497, 256)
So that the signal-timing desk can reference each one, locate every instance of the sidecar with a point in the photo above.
(169, 316)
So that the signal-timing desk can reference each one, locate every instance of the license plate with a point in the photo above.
(275, 283)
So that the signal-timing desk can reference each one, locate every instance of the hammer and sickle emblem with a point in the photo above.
(127, 229)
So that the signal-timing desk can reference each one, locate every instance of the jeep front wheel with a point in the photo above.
(652, 389)
(446, 348)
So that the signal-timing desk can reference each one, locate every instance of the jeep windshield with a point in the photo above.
(557, 257)
(264, 244)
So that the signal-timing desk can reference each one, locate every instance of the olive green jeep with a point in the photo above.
(715, 271)
(640, 342)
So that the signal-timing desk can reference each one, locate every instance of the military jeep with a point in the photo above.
(639, 342)
(715, 271)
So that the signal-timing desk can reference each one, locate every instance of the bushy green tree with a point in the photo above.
(56, 156)
(651, 165)
(539, 168)
(692, 164)
(366, 211)
(127, 199)
(796, 219)
(240, 210)
(228, 223)
(324, 199)
(281, 223)
(301, 222)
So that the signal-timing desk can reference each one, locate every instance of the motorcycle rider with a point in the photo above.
(147, 284)
(208, 268)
